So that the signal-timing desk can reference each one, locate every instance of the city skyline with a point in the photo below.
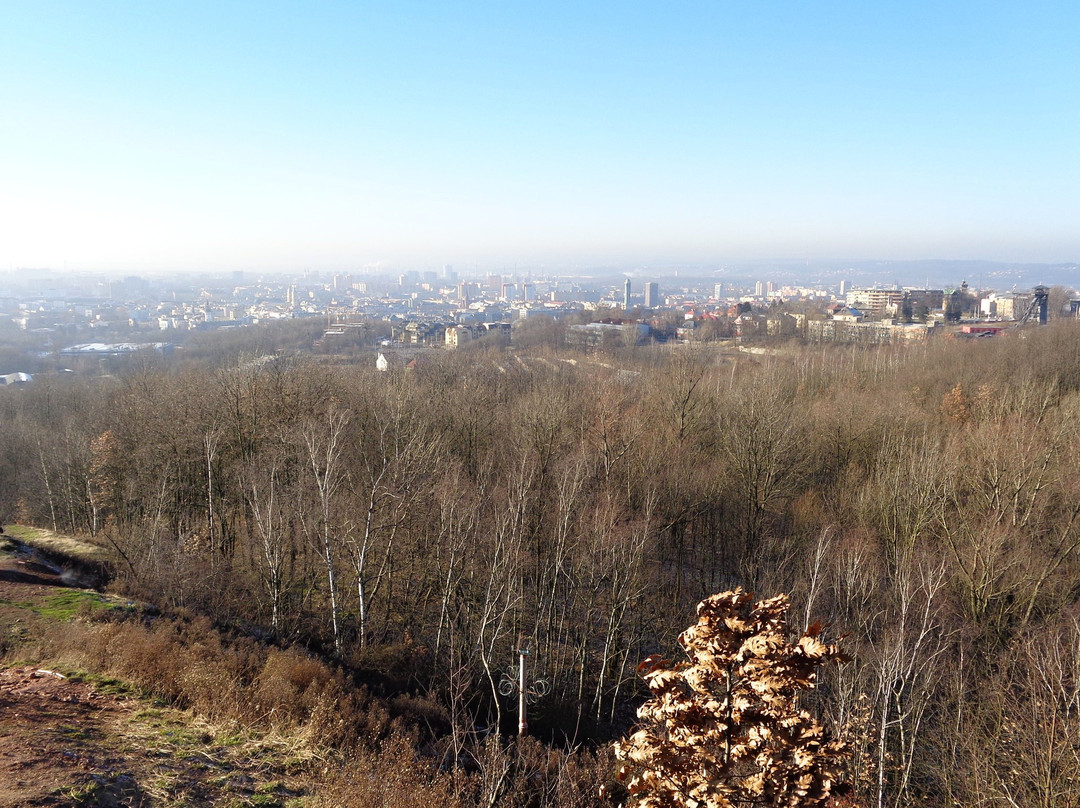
(342, 137)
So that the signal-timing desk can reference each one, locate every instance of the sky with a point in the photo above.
(164, 136)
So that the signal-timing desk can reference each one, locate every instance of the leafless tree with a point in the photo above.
(323, 442)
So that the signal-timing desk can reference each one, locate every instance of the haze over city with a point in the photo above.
(557, 405)
(343, 137)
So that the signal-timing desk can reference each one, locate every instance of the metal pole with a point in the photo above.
(523, 724)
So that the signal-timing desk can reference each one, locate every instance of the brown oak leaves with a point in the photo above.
(725, 728)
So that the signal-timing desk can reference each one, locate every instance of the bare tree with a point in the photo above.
(271, 516)
(763, 453)
(323, 441)
(906, 667)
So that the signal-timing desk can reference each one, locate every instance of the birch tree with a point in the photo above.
(323, 442)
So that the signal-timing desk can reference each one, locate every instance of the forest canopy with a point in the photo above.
(414, 524)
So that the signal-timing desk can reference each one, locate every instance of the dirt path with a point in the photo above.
(52, 728)
(52, 750)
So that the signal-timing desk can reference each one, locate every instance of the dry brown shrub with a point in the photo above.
(183, 664)
(551, 778)
(425, 711)
(289, 685)
(189, 664)
(211, 686)
(957, 406)
(152, 660)
(403, 661)
(393, 777)
(63, 643)
(328, 724)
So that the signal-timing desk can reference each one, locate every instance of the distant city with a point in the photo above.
(77, 315)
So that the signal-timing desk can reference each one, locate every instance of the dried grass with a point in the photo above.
(288, 703)
(58, 543)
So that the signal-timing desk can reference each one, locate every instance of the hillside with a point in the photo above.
(106, 702)
(353, 558)
(82, 739)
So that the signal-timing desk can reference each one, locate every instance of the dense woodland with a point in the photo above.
(416, 525)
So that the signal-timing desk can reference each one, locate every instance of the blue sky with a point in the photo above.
(270, 135)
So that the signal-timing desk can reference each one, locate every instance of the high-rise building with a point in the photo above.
(875, 301)
(759, 289)
(652, 295)
(718, 291)
(626, 295)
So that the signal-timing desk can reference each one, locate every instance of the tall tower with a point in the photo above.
(652, 295)
(626, 295)
(1042, 297)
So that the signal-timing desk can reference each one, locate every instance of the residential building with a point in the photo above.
(875, 301)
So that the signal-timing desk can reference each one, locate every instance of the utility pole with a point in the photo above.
(523, 722)
(516, 681)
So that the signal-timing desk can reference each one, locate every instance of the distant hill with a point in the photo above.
(932, 273)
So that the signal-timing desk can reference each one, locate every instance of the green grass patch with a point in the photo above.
(108, 686)
(18, 604)
(77, 733)
(153, 716)
(229, 739)
(82, 794)
(20, 532)
(66, 605)
(184, 737)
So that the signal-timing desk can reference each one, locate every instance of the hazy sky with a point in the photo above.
(169, 135)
